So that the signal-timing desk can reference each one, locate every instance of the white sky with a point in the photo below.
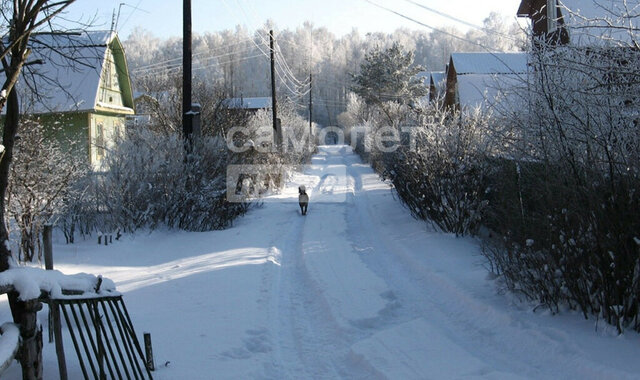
(164, 17)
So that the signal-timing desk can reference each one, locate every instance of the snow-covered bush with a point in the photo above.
(150, 183)
(256, 139)
(40, 182)
(441, 172)
(565, 204)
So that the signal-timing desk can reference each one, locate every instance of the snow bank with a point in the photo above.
(31, 282)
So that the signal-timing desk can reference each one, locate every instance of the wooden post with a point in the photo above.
(48, 246)
(31, 336)
(149, 352)
(274, 103)
(47, 241)
(55, 329)
(310, 109)
(187, 117)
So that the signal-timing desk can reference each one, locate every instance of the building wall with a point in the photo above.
(104, 130)
(71, 130)
(109, 90)
(87, 135)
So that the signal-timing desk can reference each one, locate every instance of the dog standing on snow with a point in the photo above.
(303, 199)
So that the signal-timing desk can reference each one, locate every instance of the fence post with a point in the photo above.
(31, 336)
(54, 308)
(149, 352)
(47, 241)
(48, 246)
(55, 330)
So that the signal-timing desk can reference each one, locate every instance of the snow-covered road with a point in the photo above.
(355, 289)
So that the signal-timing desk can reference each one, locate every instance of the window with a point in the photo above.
(99, 141)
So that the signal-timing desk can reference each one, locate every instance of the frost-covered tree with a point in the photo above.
(41, 182)
(21, 18)
(389, 75)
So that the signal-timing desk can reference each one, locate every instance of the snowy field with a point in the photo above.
(355, 289)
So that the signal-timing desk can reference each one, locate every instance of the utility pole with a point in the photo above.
(187, 117)
(274, 105)
(310, 107)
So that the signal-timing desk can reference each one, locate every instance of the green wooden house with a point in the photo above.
(82, 86)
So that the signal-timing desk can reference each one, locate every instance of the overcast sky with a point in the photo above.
(164, 17)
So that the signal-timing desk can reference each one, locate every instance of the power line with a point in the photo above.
(160, 63)
(177, 67)
(446, 15)
(136, 8)
(279, 56)
(428, 26)
(201, 61)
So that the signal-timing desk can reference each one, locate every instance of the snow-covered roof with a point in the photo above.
(489, 91)
(424, 76)
(596, 21)
(489, 63)
(69, 77)
(438, 79)
(437, 76)
(247, 103)
(487, 80)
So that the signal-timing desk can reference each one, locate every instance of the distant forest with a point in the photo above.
(237, 60)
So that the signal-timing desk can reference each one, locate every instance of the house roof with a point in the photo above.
(487, 79)
(525, 8)
(69, 77)
(437, 84)
(495, 91)
(438, 79)
(247, 103)
(489, 63)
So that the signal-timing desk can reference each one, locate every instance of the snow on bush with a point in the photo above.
(151, 183)
(571, 186)
(442, 175)
(554, 181)
(40, 185)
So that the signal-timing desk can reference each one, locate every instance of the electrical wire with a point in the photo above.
(427, 26)
(160, 63)
(200, 61)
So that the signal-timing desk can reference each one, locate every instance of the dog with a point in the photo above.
(303, 199)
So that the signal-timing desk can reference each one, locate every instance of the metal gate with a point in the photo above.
(103, 337)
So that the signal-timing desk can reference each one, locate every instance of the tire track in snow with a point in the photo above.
(313, 339)
(309, 341)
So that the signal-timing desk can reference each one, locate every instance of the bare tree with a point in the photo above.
(21, 18)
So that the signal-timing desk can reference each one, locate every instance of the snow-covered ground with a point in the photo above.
(355, 289)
